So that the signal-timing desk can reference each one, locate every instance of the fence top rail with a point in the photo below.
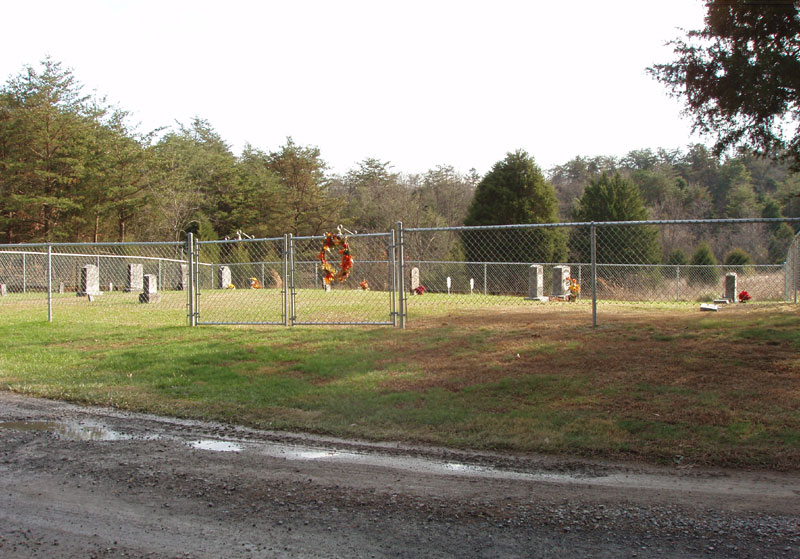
(587, 264)
(237, 241)
(104, 256)
(126, 244)
(350, 236)
(608, 224)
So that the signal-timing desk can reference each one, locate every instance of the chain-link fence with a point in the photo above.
(405, 272)
(691, 261)
(793, 270)
(47, 278)
(281, 281)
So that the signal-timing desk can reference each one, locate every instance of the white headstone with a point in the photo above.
(90, 281)
(3, 290)
(536, 283)
(135, 272)
(471, 285)
(730, 286)
(224, 275)
(414, 278)
(449, 283)
(560, 281)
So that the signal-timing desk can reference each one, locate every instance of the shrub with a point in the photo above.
(707, 273)
(737, 259)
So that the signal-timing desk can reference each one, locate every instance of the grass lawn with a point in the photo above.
(668, 385)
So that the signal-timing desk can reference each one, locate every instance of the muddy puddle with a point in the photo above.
(68, 430)
(74, 430)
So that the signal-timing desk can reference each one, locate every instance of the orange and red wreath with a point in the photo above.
(332, 240)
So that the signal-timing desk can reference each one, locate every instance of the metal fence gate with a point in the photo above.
(279, 281)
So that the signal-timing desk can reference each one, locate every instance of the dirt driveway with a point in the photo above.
(89, 482)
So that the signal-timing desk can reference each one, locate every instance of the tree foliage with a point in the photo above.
(616, 198)
(739, 76)
(515, 191)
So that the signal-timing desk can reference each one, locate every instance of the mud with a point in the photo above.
(90, 482)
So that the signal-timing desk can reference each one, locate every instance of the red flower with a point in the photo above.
(744, 296)
(419, 290)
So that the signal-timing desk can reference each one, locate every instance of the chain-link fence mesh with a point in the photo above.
(241, 282)
(281, 280)
(792, 282)
(90, 279)
(653, 262)
(367, 296)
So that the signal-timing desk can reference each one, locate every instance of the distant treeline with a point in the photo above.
(73, 169)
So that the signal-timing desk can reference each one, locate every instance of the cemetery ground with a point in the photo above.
(501, 432)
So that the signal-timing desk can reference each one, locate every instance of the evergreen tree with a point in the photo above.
(514, 192)
(616, 199)
(706, 272)
(47, 128)
(738, 76)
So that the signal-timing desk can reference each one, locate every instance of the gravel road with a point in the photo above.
(91, 482)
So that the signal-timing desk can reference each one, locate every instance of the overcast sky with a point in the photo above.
(419, 84)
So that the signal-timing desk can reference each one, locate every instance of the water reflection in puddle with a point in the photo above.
(216, 446)
(69, 430)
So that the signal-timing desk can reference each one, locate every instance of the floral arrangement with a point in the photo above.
(231, 286)
(333, 240)
(255, 284)
(364, 285)
(744, 296)
(419, 290)
(574, 288)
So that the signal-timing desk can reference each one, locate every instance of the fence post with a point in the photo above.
(593, 243)
(292, 290)
(24, 274)
(677, 283)
(49, 283)
(190, 278)
(485, 265)
(796, 266)
(401, 280)
(285, 273)
(392, 277)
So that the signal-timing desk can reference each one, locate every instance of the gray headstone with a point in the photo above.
(730, 286)
(90, 281)
(536, 283)
(149, 292)
(183, 279)
(560, 281)
(61, 287)
(135, 273)
(414, 278)
(224, 275)
(3, 290)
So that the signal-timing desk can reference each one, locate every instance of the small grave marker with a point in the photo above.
(90, 281)
(730, 286)
(536, 283)
(183, 279)
(135, 274)
(149, 292)
(3, 290)
(414, 279)
(224, 275)
(560, 281)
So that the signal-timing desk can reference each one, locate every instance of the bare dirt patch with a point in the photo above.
(155, 490)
